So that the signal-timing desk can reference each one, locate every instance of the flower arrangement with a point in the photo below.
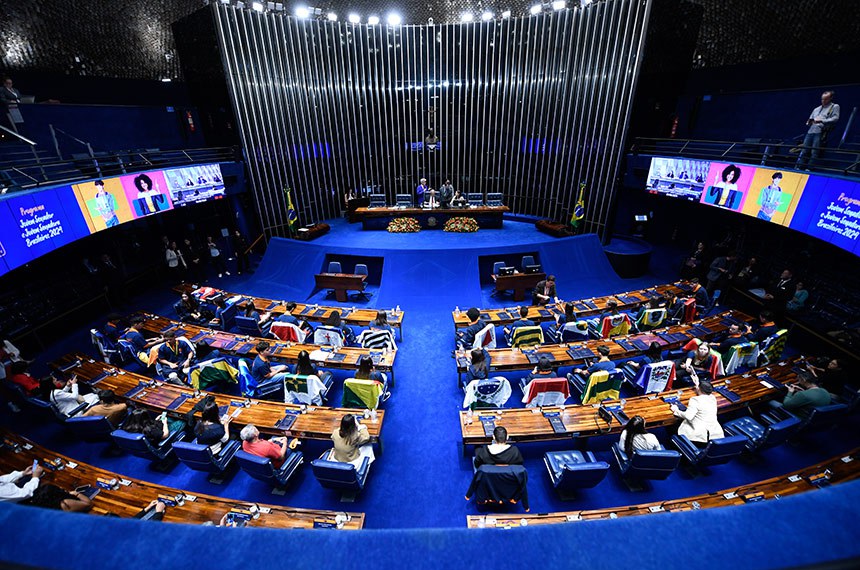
(403, 226)
(461, 225)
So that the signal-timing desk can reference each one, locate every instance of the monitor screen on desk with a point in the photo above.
(532, 269)
(506, 271)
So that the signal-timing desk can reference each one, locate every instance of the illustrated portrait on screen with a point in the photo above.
(726, 185)
(773, 195)
(103, 202)
(149, 198)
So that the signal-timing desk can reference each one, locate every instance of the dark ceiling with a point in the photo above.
(132, 38)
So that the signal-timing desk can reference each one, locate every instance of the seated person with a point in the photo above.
(64, 394)
(366, 370)
(9, 354)
(782, 289)
(351, 442)
(108, 407)
(766, 327)
(650, 356)
(675, 307)
(805, 394)
(734, 336)
(701, 294)
(603, 363)
(523, 321)
(479, 365)
(568, 316)
(830, 373)
(304, 366)
(334, 320)
(134, 337)
(114, 326)
(220, 307)
(696, 362)
(19, 374)
(458, 201)
(274, 448)
(381, 322)
(700, 423)
(635, 437)
(542, 370)
(798, 301)
(650, 304)
(189, 310)
(287, 316)
(176, 356)
(262, 368)
(466, 336)
(500, 452)
(252, 313)
(155, 430)
(544, 292)
(204, 351)
(10, 492)
(212, 429)
(50, 496)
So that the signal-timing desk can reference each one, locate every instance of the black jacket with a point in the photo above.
(499, 485)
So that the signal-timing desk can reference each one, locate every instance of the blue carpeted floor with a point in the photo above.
(421, 475)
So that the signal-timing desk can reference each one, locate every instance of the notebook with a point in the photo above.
(306, 310)
(271, 306)
(199, 336)
(168, 328)
(462, 362)
(591, 305)
(775, 383)
(701, 330)
(580, 307)
(98, 378)
(624, 344)
(287, 421)
(489, 424)
(338, 357)
(727, 394)
(544, 313)
(245, 348)
(618, 413)
(136, 390)
(581, 352)
(319, 312)
(555, 421)
(640, 344)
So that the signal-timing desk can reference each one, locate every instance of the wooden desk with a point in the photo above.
(317, 423)
(518, 283)
(505, 359)
(303, 311)
(341, 283)
(584, 307)
(245, 346)
(528, 424)
(129, 499)
(431, 218)
(773, 488)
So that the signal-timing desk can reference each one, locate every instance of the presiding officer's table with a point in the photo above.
(378, 218)
(302, 311)
(518, 283)
(129, 496)
(345, 358)
(839, 469)
(620, 347)
(530, 424)
(311, 423)
(341, 283)
(583, 308)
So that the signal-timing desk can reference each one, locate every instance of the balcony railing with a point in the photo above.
(843, 161)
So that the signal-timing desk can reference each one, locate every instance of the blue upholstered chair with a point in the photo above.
(249, 326)
(763, 436)
(822, 417)
(572, 470)
(497, 267)
(340, 476)
(90, 428)
(645, 464)
(717, 452)
(334, 267)
(527, 260)
(105, 347)
(136, 444)
(261, 468)
(199, 457)
(228, 317)
(361, 269)
(251, 388)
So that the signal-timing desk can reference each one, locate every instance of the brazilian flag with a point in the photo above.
(292, 216)
(579, 209)
(213, 372)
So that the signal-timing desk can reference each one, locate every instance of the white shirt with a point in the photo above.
(9, 491)
(644, 442)
(700, 419)
(66, 399)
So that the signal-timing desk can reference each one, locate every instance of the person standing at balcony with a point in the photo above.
(820, 122)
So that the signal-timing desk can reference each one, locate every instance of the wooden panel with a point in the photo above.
(362, 213)
(500, 317)
(243, 345)
(528, 424)
(316, 423)
(842, 468)
(127, 500)
(505, 359)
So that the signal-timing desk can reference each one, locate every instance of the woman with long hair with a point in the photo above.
(635, 437)
(351, 442)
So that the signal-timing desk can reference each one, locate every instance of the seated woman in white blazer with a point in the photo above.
(700, 423)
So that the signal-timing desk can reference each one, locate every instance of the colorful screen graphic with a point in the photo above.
(35, 223)
(820, 206)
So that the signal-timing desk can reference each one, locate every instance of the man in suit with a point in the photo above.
(782, 289)
(8, 94)
(720, 271)
(446, 194)
(544, 291)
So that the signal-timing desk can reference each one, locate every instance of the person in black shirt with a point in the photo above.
(767, 326)
(240, 244)
(500, 452)
(466, 337)
(732, 337)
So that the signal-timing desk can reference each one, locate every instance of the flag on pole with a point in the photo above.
(292, 217)
(579, 209)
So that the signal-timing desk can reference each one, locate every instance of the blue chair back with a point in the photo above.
(573, 332)
(247, 325)
(655, 465)
(497, 267)
(259, 468)
(527, 260)
(198, 456)
(228, 317)
(337, 475)
(475, 198)
(721, 450)
(90, 428)
(360, 269)
(137, 444)
(571, 470)
(105, 347)
(825, 416)
(334, 267)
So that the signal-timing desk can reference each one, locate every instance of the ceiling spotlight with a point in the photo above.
(394, 19)
(354, 19)
(534, 10)
(302, 12)
(257, 6)
(506, 14)
(486, 16)
(165, 80)
(466, 17)
(559, 5)
(331, 17)
(373, 20)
